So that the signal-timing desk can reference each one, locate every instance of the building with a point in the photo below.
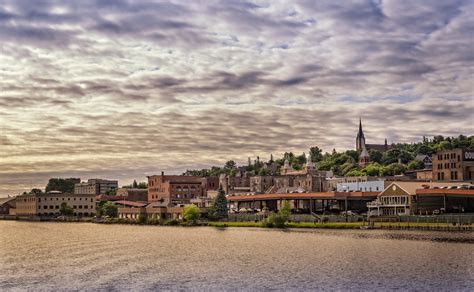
(364, 157)
(424, 174)
(210, 184)
(6, 204)
(399, 198)
(260, 184)
(360, 142)
(304, 203)
(134, 195)
(426, 159)
(334, 181)
(95, 187)
(178, 189)
(453, 165)
(364, 186)
(49, 204)
(235, 184)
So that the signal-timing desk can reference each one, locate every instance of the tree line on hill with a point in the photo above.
(398, 159)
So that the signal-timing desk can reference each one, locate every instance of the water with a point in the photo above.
(85, 256)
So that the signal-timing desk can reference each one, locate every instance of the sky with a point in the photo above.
(125, 89)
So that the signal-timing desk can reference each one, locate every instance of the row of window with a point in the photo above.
(447, 165)
(63, 199)
(449, 156)
(57, 207)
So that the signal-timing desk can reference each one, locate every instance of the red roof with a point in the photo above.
(432, 192)
(131, 204)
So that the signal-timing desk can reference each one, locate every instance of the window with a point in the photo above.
(57, 207)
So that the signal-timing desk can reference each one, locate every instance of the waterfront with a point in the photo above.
(92, 256)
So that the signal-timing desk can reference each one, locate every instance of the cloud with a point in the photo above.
(123, 88)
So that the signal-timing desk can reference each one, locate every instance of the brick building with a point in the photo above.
(179, 189)
(453, 165)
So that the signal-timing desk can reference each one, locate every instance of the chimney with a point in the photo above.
(162, 173)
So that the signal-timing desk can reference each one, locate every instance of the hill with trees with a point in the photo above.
(398, 159)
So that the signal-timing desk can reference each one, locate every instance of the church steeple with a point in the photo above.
(360, 140)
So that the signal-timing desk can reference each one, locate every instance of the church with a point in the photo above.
(363, 148)
(360, 142)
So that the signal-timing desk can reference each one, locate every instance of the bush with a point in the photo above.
(142, 219)
(191, 213)
(152, 221)
(172, 222)
(274, 220)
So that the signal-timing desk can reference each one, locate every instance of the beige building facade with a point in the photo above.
(49, 204)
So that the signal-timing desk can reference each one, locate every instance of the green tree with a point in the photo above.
(36, 191)
(191, 213)
(415, 164)
(109, 209)
(134, 185)
(65, 185)
(372, 169)
(375, 155)
(64, 209)
(285, 211)
(219, 206)
(315, 154)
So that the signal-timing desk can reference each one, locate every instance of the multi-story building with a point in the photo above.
(400, 198)
(453, 165)
(260, 184)
(179, 189)
(95, 186)
(235, 184)
(49, 204)
(134, 195)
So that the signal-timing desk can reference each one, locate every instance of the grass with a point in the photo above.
(330, 225)
(415, 225)
(234, 224)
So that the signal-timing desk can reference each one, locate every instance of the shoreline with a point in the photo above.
(251, 224)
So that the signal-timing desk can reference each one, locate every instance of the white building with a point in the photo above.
(364, 186)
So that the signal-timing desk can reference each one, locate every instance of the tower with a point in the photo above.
(364, 157)
(360, 140)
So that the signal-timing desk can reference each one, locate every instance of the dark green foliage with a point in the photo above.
(375, 156)
(64, 209)
(142, 219)
(171, 222)
(135, 185)
(108, 209)
(315, 154)
(219, 209)
(415, 164)
(36, 191)
(65, 185)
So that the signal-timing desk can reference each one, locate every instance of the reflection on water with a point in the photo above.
(90, 256)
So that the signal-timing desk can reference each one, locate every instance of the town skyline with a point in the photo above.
(123, 90)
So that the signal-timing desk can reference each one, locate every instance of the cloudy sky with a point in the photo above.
(125, 89)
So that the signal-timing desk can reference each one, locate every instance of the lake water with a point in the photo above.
(51, 256)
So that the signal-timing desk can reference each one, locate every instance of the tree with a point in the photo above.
(315, 154)
(134, 185)
(191, 213)
(64, 185)
(415, 164)
(375, 155)
(285, 211)
(372, 169)
(64, 209)
(36, 191)
(219, 206)
(109, 209)
(230, 165)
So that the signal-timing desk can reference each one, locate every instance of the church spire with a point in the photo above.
(361, 133)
